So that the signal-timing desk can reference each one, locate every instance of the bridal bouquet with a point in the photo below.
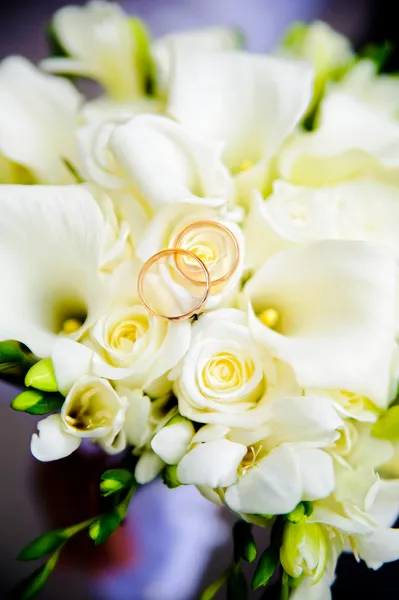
(199, 274)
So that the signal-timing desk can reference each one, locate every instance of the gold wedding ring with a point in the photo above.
(165, 263)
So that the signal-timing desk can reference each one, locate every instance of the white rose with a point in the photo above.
(224, 375)
(136, 348)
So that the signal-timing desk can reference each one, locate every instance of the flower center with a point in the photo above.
(253, 456)
(71, 325)
(89, 411)
(226, 371)
(269, 317)
(124, 335)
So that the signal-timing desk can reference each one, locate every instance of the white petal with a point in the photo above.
(171, 442)
(53, 442)
(38, 115)
(137, 415)
(250, 102)
(306, 419)
(380, 547)
(351, 139)
(71, 361)
(262, 238)
(308, 590)
(385, 508)
(214, 464)
(336, 300)
(317, 473)
(210, 39)
(148, 467)
(167, 164)
(271, 487)
(51, 242)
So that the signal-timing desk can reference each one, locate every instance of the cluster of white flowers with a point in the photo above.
(283, 390)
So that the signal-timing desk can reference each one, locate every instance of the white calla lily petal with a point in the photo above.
(51, 242)
(337, 331)
(351, 139)
(252, 102)
(38, 116)
(53, 441)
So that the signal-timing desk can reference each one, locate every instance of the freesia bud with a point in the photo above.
(304, 550)
(41, 376)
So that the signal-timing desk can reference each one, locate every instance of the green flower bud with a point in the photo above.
(169, 477)
(115, 480)
(304, 550)
(244, 543)
(37, 403)
(41, 376)
(300, 513)
(387, 426)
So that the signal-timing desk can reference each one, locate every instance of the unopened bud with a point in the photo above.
(41, 376)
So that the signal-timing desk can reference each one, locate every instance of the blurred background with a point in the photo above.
(174, 542)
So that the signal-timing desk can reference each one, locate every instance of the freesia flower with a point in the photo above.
(92, 409)
(103, 43)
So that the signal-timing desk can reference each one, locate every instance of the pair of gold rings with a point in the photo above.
(192, 272)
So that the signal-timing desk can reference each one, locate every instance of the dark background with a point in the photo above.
(24, 512)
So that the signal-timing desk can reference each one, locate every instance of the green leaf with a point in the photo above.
(104, 527)
(244, 543)
(36, 402)
(169, 477)
(33, 584)
(266, 567)
(115, 480)
(44, 544)
(237, 588)
(11, 352)
(215, 586)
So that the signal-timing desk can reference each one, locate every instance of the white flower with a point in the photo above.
(38, 117)
(92, 409)
(103, 43)
(352, 140)
(209, 39)
(361, 512)
(137, 348)
(251, 103)
(328, 51)
(224, 377)
(208, 244)
(51, 247)
(380, 91)
(270, 470)
(144, 418)
(333, 305)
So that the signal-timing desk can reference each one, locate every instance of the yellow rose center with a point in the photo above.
(124, 335)
(225, 371)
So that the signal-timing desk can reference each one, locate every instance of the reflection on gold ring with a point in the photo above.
(226, 232)
(174, 252)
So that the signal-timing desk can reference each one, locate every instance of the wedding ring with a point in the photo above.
(225, 260)
(165, 290)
